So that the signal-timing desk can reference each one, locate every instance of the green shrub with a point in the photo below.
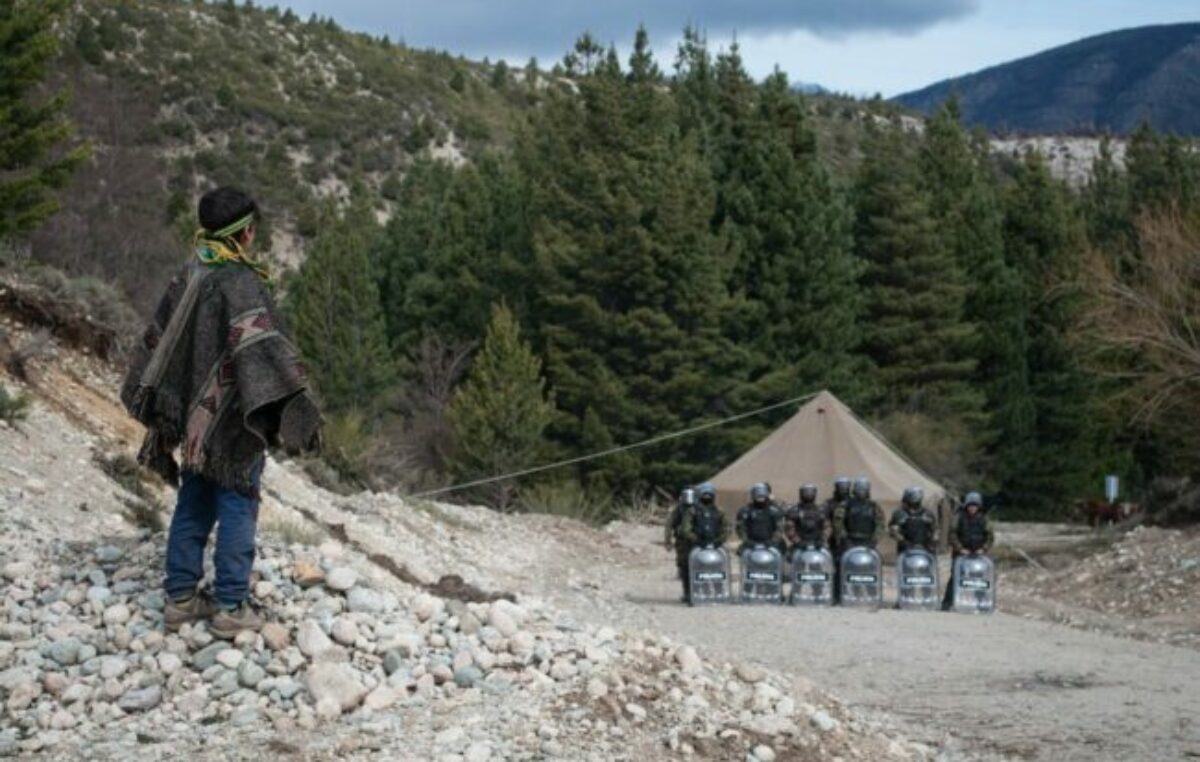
(347, 446)
(13, 407)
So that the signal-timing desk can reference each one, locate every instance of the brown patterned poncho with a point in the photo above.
(216, 376)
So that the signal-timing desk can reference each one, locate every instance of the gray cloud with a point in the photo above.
(546, 28)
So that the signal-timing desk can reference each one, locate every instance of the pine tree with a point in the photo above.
(915, 332)
(1107, 206)
(695, 89)
(500, 413)
(1051, 452)
(31, 128)
(628, 290)
(969, 219)
(456, 244)
(1163, 172)
(788, 236)
(335, 311)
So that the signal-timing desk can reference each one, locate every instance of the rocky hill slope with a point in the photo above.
(1110, 82)
(175, 97)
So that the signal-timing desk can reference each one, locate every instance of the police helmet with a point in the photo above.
(808, 493)
(973, 498)
(760, 492)
(862, 487)
(913, 496)
(707, 492)
(687, 496)
(841, 486)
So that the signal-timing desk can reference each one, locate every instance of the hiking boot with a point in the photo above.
(178, 613)
(227, 623)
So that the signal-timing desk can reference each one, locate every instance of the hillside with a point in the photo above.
(297, 110)
(1110, 82)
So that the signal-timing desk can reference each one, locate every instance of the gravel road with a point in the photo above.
(1007, 686)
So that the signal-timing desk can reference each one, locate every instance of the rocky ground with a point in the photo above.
(86, 670)
(1146, 585)
(396, 630)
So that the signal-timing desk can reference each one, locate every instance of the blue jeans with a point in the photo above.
(201, 504)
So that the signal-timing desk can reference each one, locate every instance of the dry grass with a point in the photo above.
(290, 531)
(142, 505)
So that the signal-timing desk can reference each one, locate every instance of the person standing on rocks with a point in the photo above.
(972, 535)
(216, 376)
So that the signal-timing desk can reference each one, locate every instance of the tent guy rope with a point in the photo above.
(615, 450)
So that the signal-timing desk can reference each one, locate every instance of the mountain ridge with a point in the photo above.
(1110, 82)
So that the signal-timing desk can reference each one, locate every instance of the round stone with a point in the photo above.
(169, 663)
(65, 651)
(117, 614)
(344, 631)
(467, 677)
(341, 579)
(230, 658)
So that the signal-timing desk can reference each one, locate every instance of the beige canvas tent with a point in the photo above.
(824, 440)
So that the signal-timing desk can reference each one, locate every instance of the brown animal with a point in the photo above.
(1100, 512)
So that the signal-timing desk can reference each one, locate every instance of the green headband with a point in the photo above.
(235, 227)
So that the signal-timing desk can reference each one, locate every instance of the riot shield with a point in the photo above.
(762, 575)
(917, 580)
(812, 577)
(861, 577)
(974, 585)
(708, 571)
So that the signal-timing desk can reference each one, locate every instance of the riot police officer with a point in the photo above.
(704, 527)
(857, 521)
(841, 496)
(860, 520)
(913, 527)
(806, 525)
(681, 516)
(759, 522)
(972, 535)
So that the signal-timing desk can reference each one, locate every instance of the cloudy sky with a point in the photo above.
(856, 46)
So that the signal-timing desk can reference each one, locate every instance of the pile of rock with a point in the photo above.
(86, 668)
(1149, 579)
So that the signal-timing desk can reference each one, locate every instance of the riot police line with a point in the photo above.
(825, 554)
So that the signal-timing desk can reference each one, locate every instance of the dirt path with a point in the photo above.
(1025, 689)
